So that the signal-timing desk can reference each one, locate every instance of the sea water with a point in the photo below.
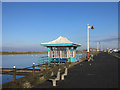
(20, 61)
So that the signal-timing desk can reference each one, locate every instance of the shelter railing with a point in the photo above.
(48, 60)
(80, 56)
(42, 60)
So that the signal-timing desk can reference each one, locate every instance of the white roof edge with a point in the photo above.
(61, 40)
(76, 44)
(64, 43)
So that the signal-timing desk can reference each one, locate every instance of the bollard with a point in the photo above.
(46, 66)
(14, 73)
(41, 68)
(33, 69)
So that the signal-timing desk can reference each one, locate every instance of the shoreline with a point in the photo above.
(23, 52)
(29, 52)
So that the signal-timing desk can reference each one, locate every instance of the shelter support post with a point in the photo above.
(60, 53)
(68, 52)
(74, 51)
(49, 51)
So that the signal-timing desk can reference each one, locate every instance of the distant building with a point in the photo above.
(93, 49)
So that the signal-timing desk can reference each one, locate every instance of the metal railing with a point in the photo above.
(47, 60)
(80, 56)
(43, 60)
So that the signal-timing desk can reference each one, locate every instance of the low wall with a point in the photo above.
(31, 80)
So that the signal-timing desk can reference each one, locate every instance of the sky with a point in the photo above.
(27, 24)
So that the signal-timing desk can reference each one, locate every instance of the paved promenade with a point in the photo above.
(100, 73)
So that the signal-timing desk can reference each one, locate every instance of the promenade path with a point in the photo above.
(100, 73)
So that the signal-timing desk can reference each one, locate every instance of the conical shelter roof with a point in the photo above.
(60, 41)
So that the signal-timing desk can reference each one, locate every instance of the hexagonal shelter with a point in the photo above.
(61, 49)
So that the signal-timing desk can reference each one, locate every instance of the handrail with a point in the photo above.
(46, 59)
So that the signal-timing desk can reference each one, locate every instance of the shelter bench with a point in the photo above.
(55, 78)
(91, 58)
(64, 74)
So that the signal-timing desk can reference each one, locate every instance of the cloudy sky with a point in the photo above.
(27, 24)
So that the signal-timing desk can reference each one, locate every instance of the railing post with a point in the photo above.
(14, 73)
(54, 62)
(41, 67)
(46, 65)
(33, 69)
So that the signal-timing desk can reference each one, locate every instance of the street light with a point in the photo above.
(88, 27)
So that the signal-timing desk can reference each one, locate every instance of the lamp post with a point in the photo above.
(88, 41)
(88, 27)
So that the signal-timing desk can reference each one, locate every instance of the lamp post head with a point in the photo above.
(92, 27)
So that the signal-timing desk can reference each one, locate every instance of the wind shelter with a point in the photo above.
(61, 49)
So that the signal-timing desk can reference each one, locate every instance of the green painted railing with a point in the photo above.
(46, 59)
(43, 60)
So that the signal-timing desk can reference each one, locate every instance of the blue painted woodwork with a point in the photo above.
(61, 45)
(73, 59)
